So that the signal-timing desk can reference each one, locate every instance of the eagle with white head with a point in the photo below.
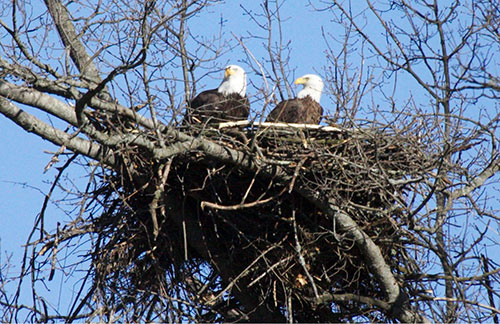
(305, 108)
(226, 103)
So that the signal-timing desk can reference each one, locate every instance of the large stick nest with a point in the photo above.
(257, 217)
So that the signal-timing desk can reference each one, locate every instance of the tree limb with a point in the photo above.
(34, 125)
(71, 40)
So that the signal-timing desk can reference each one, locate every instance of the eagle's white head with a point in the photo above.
(235, 81)
(313, 86)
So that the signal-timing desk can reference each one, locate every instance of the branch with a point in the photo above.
(34, 125)
(370, 251)
(250, 123)
(242, 205)
(65, 112)
(406, 66)
(34, 98)
(70, 39)
(472, 302)
(87, 97)
(477, 182)
(327, 298)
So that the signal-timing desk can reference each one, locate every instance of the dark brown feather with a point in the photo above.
(213, 107)
(301, 111)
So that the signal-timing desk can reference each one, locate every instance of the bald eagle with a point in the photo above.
(305, 108)
(226, 103)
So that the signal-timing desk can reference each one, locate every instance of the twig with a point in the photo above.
(54, 254)
(348, 297)
(302, 261)
(157, 195)
(460, 300)
(271, 268)
(243, 273)
(489, 287)
(296, 173)
(240, 206)
(282, 125)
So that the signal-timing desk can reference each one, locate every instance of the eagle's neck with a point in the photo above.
(233, 84)
(314, 93)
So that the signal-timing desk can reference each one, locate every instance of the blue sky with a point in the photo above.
(23, 183)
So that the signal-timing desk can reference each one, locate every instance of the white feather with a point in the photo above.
(235, 81)
(313, 86)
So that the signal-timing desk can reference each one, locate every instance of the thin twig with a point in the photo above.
(302, 261)
(240, 206)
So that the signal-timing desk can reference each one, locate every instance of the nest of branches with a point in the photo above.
(206, 226)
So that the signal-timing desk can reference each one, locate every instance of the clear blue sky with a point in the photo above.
(22, 181)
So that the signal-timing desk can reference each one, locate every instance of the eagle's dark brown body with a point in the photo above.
(301, 111)
(214, 107)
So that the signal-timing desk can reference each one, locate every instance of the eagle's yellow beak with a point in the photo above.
(228, 72)
(300, 81)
